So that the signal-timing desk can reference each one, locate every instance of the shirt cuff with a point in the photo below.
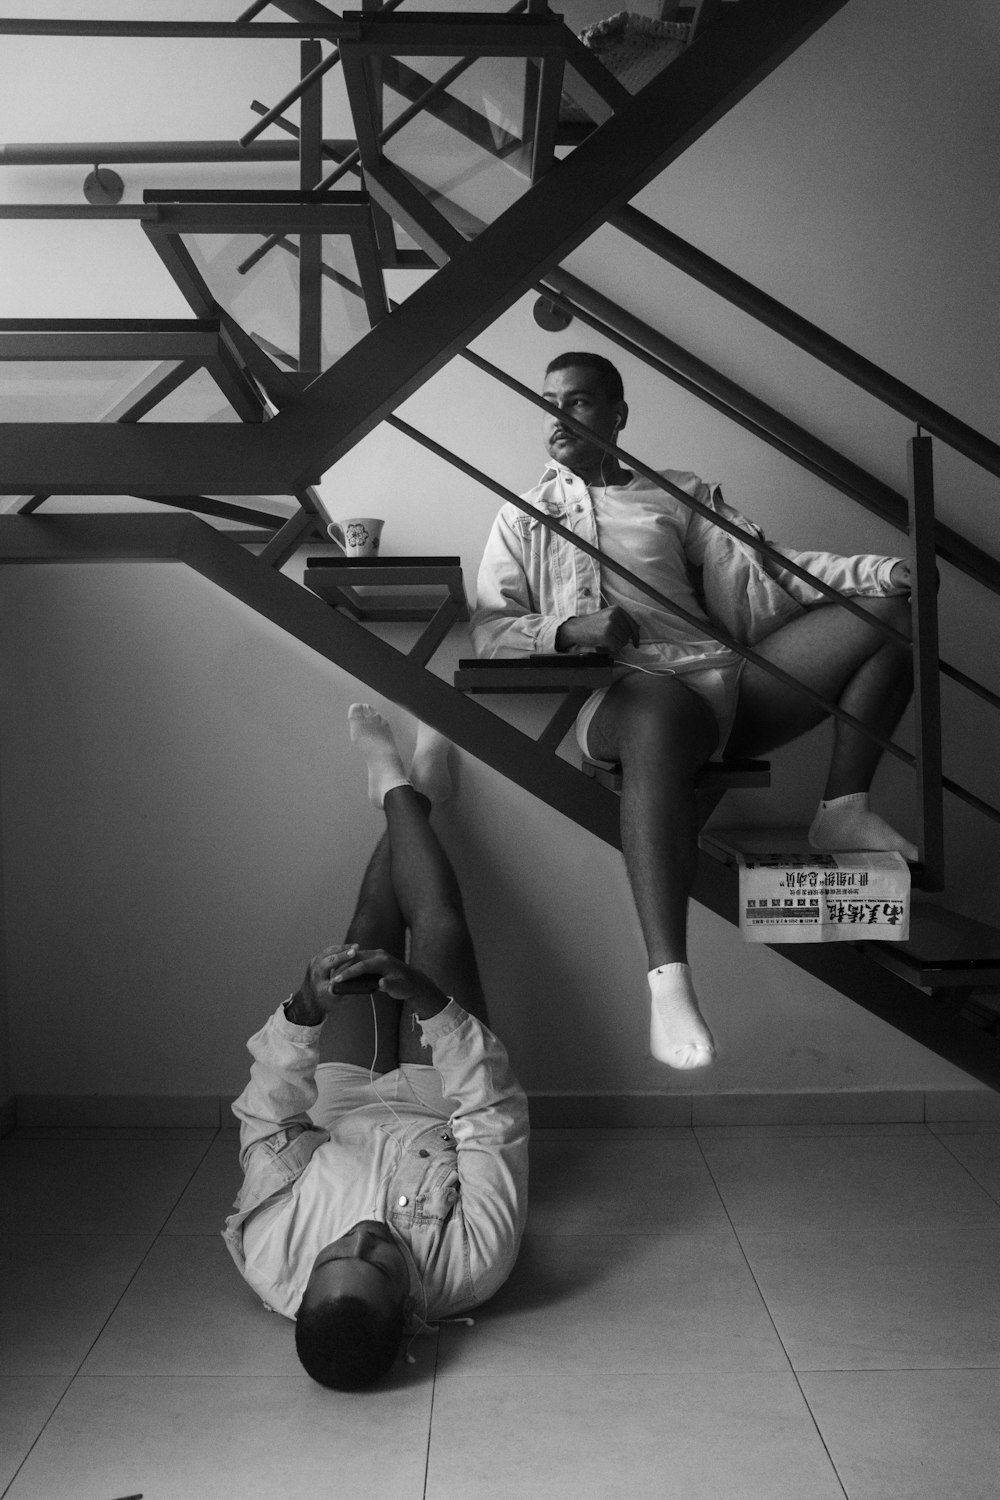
(288, 1028)
(883, 573)
(545, 640)
(446, 1021)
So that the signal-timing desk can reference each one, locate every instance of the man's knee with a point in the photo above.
(443, 926)
(664, 719)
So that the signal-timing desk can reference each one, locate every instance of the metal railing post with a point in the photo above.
(926, 681)
(310, 245)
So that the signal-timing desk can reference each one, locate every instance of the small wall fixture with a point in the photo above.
(102, 187)
(550, 317)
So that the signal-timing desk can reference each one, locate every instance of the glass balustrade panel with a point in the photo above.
(266, 300)
(469, 148)
(74, 390)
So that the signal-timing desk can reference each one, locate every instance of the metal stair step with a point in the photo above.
(945, 950)
(542, 673)
(718, 774)
(389, 588)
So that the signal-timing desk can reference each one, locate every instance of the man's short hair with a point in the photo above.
(345, 1345)
(611, 381)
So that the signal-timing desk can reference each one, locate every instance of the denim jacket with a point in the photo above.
(532, 579)
(453, 1192)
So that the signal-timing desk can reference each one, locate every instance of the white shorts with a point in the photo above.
(719, 686)
(343, 1087)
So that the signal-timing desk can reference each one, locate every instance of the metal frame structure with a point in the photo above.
(318, 417)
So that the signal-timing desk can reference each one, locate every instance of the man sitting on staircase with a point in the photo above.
(679, 696)
(383, 1135)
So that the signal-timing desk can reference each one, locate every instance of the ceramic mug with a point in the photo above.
(357, 536)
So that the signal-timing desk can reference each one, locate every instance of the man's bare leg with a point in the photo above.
(366, 1029)
(355, 1032)
(661, 733)
(863, 672)
(424, 886)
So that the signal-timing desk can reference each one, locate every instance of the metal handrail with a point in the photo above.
(647, 588)
(471, 472)
(798, 330)
(774, 554)
(766, 422)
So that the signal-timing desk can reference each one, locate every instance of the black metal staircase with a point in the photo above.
(297, 423)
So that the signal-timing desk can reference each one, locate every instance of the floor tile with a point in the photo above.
(576, 1436)
(911, 1434)
(122, 1186)
(209, 1195)
(56, 1293)
(626, 1305)
(26, 1403)
(230, 1439)
(980, 1154)
(844, 1182)
(882, 1298)
(189, 1312)
(613, 1186)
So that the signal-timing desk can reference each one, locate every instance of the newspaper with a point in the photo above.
(848, 897)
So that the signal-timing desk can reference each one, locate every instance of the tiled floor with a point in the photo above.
(711, 1314)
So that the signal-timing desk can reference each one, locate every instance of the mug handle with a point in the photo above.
(336, 535)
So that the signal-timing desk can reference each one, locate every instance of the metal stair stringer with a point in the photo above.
(937, 1023)
(184, 538)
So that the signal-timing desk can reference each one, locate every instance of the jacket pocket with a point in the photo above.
(425, 1192)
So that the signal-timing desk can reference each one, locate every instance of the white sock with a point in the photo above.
(678, 1035)
(373, 736)
(429, 771)
(848, 823)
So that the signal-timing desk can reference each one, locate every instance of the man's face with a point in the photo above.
(579, 391)
(366, 1263)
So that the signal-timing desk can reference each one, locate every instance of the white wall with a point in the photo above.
(183, 820)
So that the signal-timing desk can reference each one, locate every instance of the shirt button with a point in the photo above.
(403, 1201)
(585, 593)
(423, 1153)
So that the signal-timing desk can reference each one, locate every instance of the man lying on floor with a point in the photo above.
(383, 1135)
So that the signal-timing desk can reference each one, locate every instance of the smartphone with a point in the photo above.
(358, 984)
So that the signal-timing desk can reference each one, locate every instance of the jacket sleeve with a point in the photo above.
(273, 1108)
(489, 1122)
(865, 575)
(506, 621)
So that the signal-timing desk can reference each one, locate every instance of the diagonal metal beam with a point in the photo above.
(305, 616)
(575, 198)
